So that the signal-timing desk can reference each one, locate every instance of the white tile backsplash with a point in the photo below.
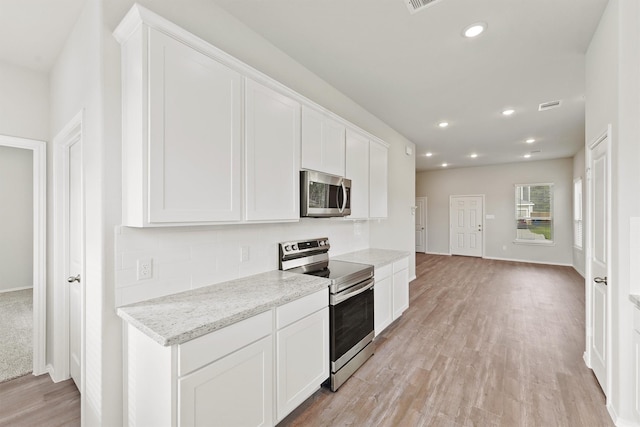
(190, 257)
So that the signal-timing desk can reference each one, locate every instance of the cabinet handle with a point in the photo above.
(72, 279)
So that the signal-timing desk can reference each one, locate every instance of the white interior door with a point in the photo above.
(466, 225)
(421, 224)
(75, 259)
(599, 257)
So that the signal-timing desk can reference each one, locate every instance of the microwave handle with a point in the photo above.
(344, 196)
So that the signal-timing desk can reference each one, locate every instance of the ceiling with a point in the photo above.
(33, 32)
(411, 71)
(414, 71)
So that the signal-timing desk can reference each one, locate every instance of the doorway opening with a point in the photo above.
(39, 174)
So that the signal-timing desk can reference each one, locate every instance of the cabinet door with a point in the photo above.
(333, 138)
(323, 143)
(383, 304)
(272, 124)
(303, 360)
(378, 180)
(357, 170)
(400, 292)
(236, 390)
(195, 111)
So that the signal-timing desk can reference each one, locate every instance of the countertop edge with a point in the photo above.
(206, 328)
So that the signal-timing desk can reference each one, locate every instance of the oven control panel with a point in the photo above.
(303, 246)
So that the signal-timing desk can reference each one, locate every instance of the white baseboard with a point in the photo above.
(412, 278)
(529, 261)
(438, 253)
(15, 289)
(581, 273)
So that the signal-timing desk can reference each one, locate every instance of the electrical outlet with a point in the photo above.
(145, 268)
(244, 254)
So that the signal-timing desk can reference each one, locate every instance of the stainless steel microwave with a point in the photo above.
(323, 195)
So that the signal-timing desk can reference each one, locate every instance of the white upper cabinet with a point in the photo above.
(378, 172)
(182, 149)
(272, 150)
(357, 170)
(323, 142)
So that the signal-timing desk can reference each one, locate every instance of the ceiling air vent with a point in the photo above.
(417, 5)
(549, 105)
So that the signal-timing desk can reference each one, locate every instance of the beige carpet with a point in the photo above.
(16, 334)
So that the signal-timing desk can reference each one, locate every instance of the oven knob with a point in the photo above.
(287, 248)
(294, 247)
(321, 242)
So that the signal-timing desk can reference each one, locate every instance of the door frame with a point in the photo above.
(70, 134)
(424, 215)
(606, 135)
(39, 150)
(482, 217)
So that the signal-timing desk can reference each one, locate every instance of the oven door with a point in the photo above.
(324, 195)
(350, 322)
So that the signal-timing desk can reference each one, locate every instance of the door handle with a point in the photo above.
(600, 280)
(72, 279)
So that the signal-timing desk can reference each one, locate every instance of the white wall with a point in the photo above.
(24, 104)
(613, 97)
(579, 172)
(497, 184)
(16, 218)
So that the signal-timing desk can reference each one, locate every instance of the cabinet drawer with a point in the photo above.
(302, 307)
(208, 348)
(400, 265)
(383, 272)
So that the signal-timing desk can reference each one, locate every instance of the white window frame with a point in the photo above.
(518, 196)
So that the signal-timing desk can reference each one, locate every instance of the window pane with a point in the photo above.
(534, 212)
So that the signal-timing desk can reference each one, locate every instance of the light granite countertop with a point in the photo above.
(635, 299)
(177, 318)
(372, 256)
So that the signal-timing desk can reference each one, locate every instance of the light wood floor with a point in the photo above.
(484, 343)
(31, 401)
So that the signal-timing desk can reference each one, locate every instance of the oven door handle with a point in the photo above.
(352, 292)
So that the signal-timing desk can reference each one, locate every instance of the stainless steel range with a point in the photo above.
(350, 303)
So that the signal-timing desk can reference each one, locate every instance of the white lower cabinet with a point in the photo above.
(391, 293)
(400, 287)
(302, 352)
(382, 298)
(251, 373)
(233, 391)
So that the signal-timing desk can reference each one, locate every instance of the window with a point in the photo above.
(534, 213)
(577, 213)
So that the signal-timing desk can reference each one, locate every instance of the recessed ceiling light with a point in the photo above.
(444, 165)
(530, 141)
(429, 154)
(526, 156)
(443, 124)
(508, 112)
(473, 156)
(474, 30)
